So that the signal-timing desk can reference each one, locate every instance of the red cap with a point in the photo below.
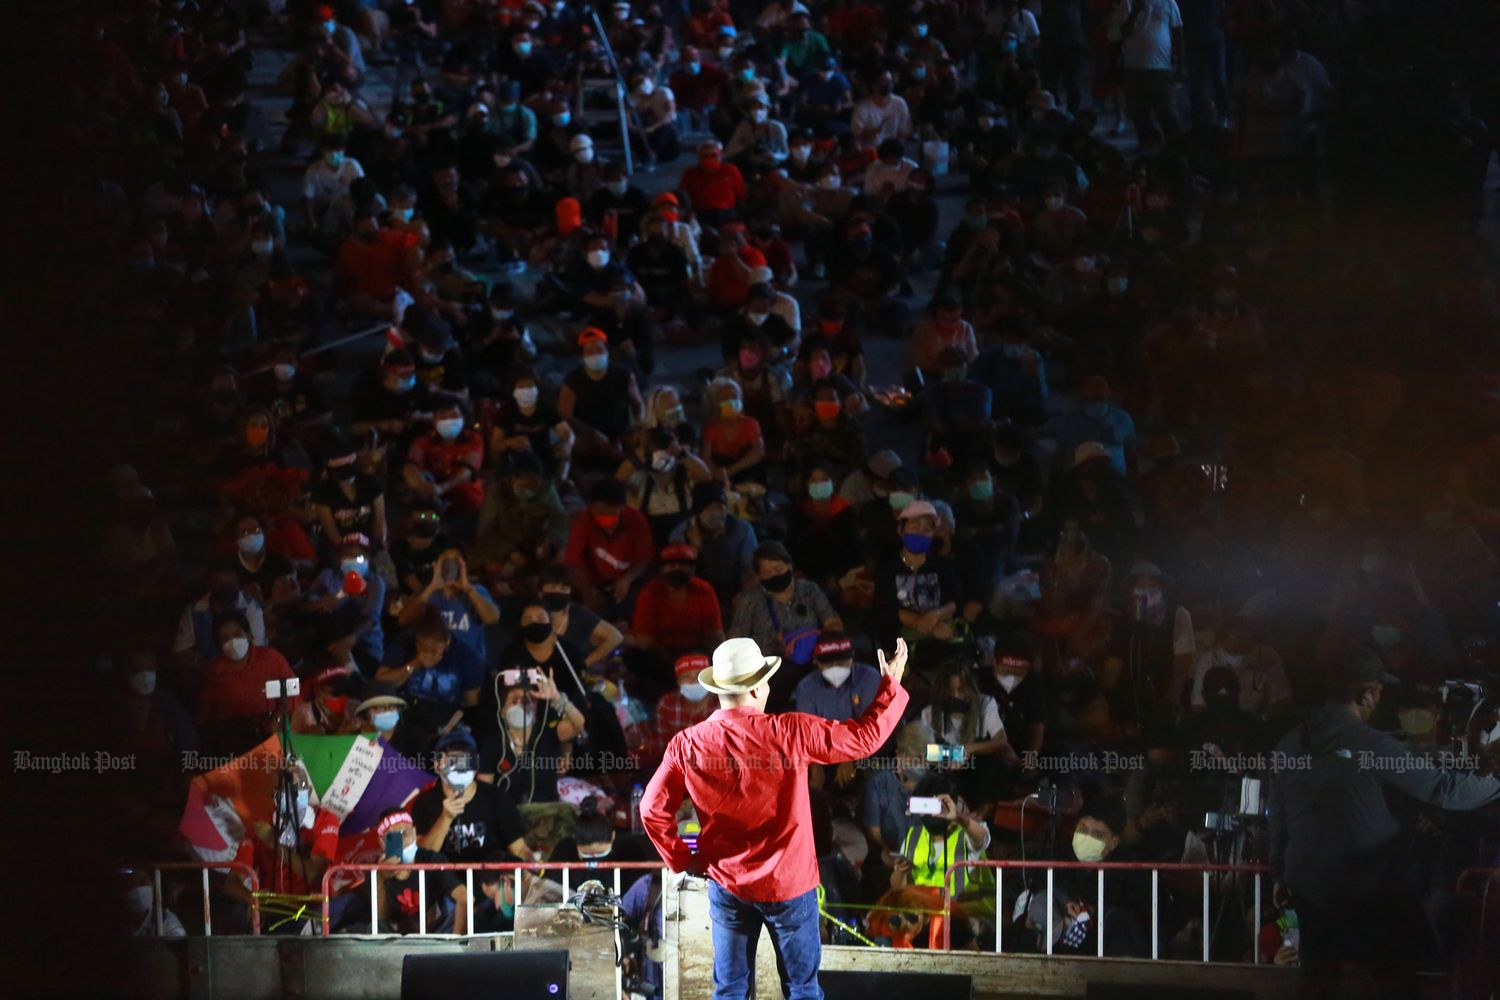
(665, 198)
(325, 13)
(753, 257)
(393, 819)
(833, 649)
(332, 673)
(592, 334)
(693, 663)
(680, 552)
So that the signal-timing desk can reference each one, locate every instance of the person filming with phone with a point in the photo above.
(746, 773)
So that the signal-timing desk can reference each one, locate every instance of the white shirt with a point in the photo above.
(990, 724)
(186, 639)
(891, 122)
(1150, 44)
(655, 106)
(1262, 678)
(786, 307)
(878, 175)
(322, 183)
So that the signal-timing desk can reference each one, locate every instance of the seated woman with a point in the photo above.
(823, 530)
(831, 435)
(523, 758)
(659, 475)
(594, 839)
(961, 716)
(529, 424)
(814, 366)
(732, 441)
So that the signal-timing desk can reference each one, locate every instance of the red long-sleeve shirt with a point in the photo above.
(746, 773)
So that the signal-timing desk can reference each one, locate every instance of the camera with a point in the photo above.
(943, 753)
(512, 677)
(289, 688)
(922, 805)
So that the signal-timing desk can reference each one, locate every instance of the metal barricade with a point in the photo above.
(158, 907)
(1100, 867)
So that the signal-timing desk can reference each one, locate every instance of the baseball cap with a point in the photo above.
(832, 646)
(883, 463)
(1364, 667)
(917, 508)
(693, 663)
(705, 495)
(458, 738)
(679, 552)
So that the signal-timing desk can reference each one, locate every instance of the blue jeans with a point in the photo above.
(794, 934)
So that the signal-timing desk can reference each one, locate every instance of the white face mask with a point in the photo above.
(759, 115)
(693, 691)
(829, 183)
(585, 155)
(663, 461)
(237, 648)
(598, 258)
(450, 428)
(1088, 848)
(144, 682)
(646, 87)
(801, 153)
(1009, 682)
(251, 545)
(526, 395)
(409, 853)
(460, 779)
(836, 676)
(596, 362)
(263, 248)
(519, 716)
(284, 372)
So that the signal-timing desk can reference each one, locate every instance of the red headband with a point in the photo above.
(1013, 661)
(694, 664)
(394, 819)
(833, 648)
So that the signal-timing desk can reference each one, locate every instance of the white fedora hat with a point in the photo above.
(738, 666)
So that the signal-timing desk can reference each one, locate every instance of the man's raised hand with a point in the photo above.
(895, 667)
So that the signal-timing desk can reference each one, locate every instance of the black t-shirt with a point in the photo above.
(516, 655)
(662, 269)
(403, 896)
(530, 776)
(876, 273)
(604, 403)
(272, 568)
(1022, 707)
(412, 561)
(931, 585)
(535, 427)
(447, 373)
(485, 829)
(627, 847)
(371, 402)
(299, 399)
(351, 514)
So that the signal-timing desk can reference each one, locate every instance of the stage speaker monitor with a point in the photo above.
(517, 975)
(869, 985)
(1120, 991)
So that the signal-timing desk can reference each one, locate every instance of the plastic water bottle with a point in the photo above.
(636, 794)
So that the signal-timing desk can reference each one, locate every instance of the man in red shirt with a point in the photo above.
(746, 774)
(716, 188)
(370, 264)
(443, 464)
(677, 612)
(234, 685)
(687, 705)
(698, 86)
(609, 550)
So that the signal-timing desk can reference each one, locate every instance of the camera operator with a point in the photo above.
(1333, 835)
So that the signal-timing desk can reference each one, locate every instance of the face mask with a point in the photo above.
(386, 721)
(983, 489)
(585, 155)
(405, 383)
(598, 258)
(829, 182)
(801, 153)
(252, 544)
(460, 779)
(335, 160)
(1053, 203)
(678, 578)
(592, 855)
(730, 407)
(596, 362)
(523, 49)
(920, 73)
(425, 529)
(663, 461)
(393, 131)
(747, 74)
(1095, 409)
(556, 602)
(828, 410)
(144, 682)
(921, 31)
(329, 26)
(409, 853)
(618, 188)
(525, 395)
(561, 119)
(759, 115)
(536, 632)
(1385, 636)
(284, 372)
(821, 490)
(776, 584)
(917, 544)
(1417, 721)
(1088, 848)
(646, 88)
(263, 248)
(693, 691)
(694, 68)
(749, 359)
(899, 500)
(358, 566)
(449, 429)
(836, 676)
(519, 717)
(609, 522)
(1117, 286)
(1009, 682)
(676, 415)
(236, 649)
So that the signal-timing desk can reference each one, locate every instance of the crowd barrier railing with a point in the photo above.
(1206, 871)
(158, 904)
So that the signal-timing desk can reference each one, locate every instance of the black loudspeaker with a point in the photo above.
(869, 985)
(518, 975)
(1118, 991)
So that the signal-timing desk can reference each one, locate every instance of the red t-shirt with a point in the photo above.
(372, 269)
(605, 558)
(747, 773)
(679, 620)
(717, 190)
(723, 451)
(238, 691)
(442, 460)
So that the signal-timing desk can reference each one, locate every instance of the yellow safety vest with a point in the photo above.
(930, 867)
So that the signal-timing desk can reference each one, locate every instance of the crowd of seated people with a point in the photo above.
(1168, 427)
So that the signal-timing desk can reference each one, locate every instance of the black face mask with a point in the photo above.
(536, 632)
(425, 529)
(776, 584)
(935, 826)
(678, 578)
(955, 704)
(556, 602)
